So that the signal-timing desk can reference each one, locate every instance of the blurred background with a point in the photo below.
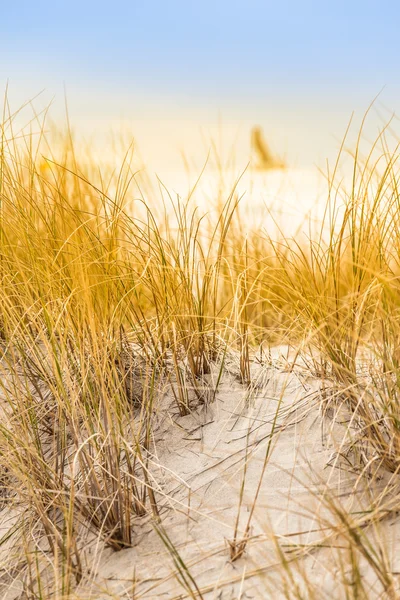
(190, 80)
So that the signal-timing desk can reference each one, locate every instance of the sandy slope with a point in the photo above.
(202, 462)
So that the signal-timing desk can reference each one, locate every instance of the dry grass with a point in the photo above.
(107, 304)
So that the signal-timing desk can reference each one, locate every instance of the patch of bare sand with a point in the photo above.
(201, 464)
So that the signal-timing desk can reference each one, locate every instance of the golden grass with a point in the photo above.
(105, 303)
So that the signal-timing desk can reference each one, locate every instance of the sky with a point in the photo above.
(169, 68)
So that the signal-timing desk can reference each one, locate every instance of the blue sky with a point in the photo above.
(193, 45)
(317, 59)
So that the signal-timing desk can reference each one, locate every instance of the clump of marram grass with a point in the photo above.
(77, 273)
(344, 291)
(106, 302)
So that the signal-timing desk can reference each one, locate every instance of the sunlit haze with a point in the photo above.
(176, 74)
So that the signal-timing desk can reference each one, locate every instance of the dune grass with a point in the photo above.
(108, 302)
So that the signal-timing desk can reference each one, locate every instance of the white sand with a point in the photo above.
(199, 464)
